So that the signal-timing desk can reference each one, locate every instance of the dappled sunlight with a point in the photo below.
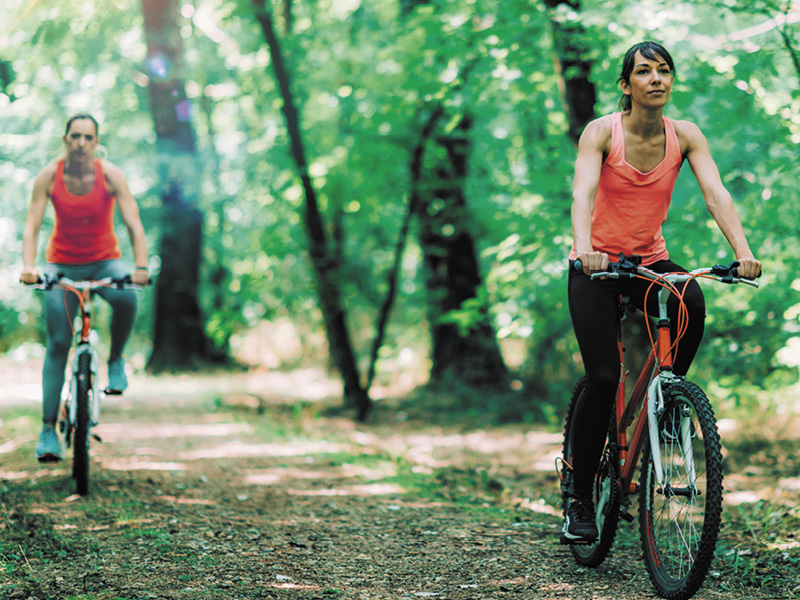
(790, 484)
(539, 506)
(265, 479)
(141, 465)
(535, 450)
(188, 501)
(311, 384)
(32, 475)
(12, 445)
(114, 432)
(276, 476)
(743, 497)
(293, 586)
(547, 462)
(373, 489)
(557, 588)
(122, 523)
(11, 475)
(383, 471)
(239, 449)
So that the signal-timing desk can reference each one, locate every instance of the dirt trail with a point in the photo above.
(204, 489)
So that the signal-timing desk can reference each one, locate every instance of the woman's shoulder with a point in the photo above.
(602, 125)
(115, 178)
(111, 171)
(598, 131)
(48, 173)
(596, 135)
(688, 134)
(685, 129)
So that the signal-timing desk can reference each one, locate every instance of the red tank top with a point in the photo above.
(630, 206)
(84, 229)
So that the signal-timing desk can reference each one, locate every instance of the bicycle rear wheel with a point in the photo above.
(80, 440)
(606, 496)
(679, 518)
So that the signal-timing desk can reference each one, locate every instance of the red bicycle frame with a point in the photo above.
(625, 413)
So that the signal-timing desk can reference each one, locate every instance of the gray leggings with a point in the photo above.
(61, 307)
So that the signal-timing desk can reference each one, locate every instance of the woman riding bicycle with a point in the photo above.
(83, 245)
(625, 173)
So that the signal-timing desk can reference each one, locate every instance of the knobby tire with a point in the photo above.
(606, 479)
(80, 442)
(679, 522)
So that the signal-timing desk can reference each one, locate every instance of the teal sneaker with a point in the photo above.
(48, 449)
(117, 380)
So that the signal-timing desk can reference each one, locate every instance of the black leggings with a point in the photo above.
(592, 307)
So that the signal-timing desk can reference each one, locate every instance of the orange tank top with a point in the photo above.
(630, 206)
(84, 229)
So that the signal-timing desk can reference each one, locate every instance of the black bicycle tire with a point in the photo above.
(685, 586)
(80, 441)
(593, 555)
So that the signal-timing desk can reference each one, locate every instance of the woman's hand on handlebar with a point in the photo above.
(140, 277)
(749, 267)
(29, 277)
(593, 262)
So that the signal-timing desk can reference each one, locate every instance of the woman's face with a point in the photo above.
(81, 139)
(650, 82)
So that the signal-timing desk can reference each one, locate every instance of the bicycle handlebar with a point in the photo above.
(47, 282)
(629, 267)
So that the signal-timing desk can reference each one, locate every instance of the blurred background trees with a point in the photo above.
(439, 141)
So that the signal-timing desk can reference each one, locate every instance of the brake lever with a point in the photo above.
(726, 274)
(605, 275)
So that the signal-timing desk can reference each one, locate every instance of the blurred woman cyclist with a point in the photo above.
(625, 173)
(83, 190)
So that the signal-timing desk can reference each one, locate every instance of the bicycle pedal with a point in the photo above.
(99, 439)
(110, 392)
(626, 516)
(565, 541)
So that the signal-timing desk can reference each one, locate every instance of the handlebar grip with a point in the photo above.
(577, 264)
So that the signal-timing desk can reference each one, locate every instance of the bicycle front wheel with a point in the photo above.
(605, 493)
(679, 516)
(80, 441)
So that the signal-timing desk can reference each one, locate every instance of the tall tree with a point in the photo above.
(323, 259)
(463, 337)
(464, 347)
(572, 49)
(179, 339)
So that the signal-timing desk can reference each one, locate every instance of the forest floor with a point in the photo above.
(259, 486)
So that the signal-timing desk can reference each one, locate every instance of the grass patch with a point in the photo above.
(20, 421)
(760, 547)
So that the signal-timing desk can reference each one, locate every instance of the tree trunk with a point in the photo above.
(466, 350)
(469, 353)
(179, 339)
(322, 259)
(413, 203)
(579, 92)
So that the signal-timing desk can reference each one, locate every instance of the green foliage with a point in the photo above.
(364, 74)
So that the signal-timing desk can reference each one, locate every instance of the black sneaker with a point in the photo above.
(579, 524)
